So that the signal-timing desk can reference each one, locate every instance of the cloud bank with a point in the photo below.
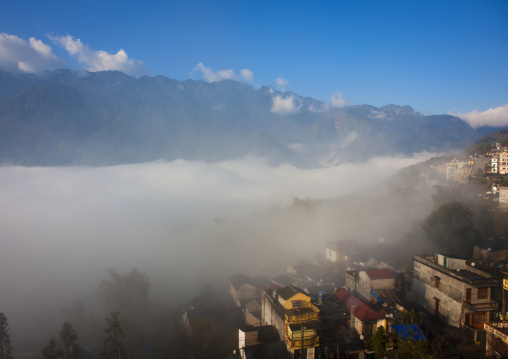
(214, 76)
(495, 117)
(61, 228)
(100, 60)
(338, 100)
(32, 56)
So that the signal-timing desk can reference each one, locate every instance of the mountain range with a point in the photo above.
(105, 118)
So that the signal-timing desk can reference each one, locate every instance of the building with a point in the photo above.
(371, 284)
(291, 312)
(260, 343)
(497, 339)
(341, 251)
(459, 293)
(503, 163)
(492, 250)
(241, 288)
(252, 312)
(503, 198)
(364, 319)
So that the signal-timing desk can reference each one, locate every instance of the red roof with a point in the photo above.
(380, 274)
(363, 311)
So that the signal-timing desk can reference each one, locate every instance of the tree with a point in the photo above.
(52, 350)
(410, 349)
(451, 228)
(113, 346)
(125, 292)
(379, 343)
(5, 338)
(69, 341)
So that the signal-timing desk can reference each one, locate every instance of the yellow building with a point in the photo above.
(289, 309)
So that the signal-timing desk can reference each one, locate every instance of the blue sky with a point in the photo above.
(436, 56)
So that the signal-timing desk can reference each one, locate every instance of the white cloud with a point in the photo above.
(282, 83)
(33, 56)
(101, 60)
(338, 100)
(377, 114)
(247, 75)
(286, 104)
(214, 76)
(323, 107)
(495, 117)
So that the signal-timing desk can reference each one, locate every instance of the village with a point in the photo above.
(348, 305)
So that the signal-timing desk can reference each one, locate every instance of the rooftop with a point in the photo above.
(240, 279)
(380, 274)
(290, 291)
(362, 310)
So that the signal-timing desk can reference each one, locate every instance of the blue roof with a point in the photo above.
(409, 332)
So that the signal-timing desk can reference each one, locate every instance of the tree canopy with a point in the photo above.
(451, 228)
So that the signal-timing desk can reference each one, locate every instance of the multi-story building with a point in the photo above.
(464, 296)
(370, 283)
(503, 163)
(290, 310)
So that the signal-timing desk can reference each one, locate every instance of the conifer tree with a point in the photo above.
(5, 338)
(69, 341)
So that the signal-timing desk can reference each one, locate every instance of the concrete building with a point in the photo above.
(451, 289)
(503, 163)
(291, 312)
(369, 284)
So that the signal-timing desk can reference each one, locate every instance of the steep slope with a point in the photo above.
(101, 118)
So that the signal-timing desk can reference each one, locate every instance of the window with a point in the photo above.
(483, 293)
(436, 306)
(437, 279)
(468, 295)
(479, 318)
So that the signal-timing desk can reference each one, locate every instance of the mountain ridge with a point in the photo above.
(103, 118)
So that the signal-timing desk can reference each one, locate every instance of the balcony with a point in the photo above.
(303, 314)
(475, 307)
(307, 343)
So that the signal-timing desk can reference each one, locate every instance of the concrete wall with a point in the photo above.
(270, 316)
(246, 291)
(366, 285)
(450, 293)
(451, 263)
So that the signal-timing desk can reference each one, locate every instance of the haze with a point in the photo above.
(183, 223)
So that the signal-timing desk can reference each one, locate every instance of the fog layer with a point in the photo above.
(62, 228)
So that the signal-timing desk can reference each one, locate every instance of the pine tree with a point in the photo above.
(115, 338)
(5, 338)
(69, 341)
(52, 350)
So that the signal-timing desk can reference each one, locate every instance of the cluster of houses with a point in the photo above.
(492, 162)
(303, 314)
